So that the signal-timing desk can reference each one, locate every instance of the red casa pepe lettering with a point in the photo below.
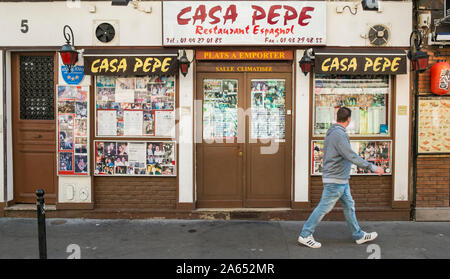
(184, 16)
(272, 16)
(290, 13)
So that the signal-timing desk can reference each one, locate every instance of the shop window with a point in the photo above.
(367, 96)
(135, 106)
(135, 158)
(378, 153)
(36, 88)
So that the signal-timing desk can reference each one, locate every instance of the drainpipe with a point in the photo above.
(414, 144)
(414, 123)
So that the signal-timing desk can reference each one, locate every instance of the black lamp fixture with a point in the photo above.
(306, 62)
(69, 54)
(419, 59)
(184, 63)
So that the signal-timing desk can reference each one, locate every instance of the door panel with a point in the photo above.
(224, 173)
(220, 162)
(34, 126)
(269, 140)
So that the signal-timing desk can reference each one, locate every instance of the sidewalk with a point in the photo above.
(218, 239)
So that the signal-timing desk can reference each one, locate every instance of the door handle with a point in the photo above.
(38, 137)
(240, 153)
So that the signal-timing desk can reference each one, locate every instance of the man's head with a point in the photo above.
(343, 116)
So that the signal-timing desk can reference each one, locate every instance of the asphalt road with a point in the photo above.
(208, 239)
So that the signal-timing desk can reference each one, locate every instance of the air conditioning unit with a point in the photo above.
(105, 32)
(378, 35)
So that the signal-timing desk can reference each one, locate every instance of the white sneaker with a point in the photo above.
(367, 237)
(309, 241)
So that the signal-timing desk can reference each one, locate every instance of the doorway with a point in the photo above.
(244, 157)
(34, 127)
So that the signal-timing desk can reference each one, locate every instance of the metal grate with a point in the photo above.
(37, 87)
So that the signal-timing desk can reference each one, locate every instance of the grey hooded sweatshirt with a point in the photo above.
(339, 157)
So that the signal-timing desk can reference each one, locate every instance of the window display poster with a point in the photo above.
(375, 152)
(134, 106)
(367, 97)
(220, 114)
(434, 125)
(135, 158)
(164, 123)
(268, 109)
(73, 127)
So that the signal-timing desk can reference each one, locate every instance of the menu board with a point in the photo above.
(375, 152)
(434, 125)
(220, 108)
(366, 96)
(73, 130)
(135, 158)
(135, 106)
(268, 109)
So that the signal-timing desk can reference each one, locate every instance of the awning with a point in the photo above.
(360, 62)
(130, 62)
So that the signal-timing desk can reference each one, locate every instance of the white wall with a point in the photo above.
(47, 19)
(1, 128)
(144, 29)
(402, 139)
(9, 147)
(186, 135)
(302, 142)
(345, 29)
(73, 189)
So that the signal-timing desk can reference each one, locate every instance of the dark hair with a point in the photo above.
(343, 114)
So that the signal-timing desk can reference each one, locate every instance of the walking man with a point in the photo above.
(337, 162)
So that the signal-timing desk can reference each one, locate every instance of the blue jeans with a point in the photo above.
(330, 195)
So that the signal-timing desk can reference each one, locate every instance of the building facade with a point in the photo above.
(432, 179)
(130, 132)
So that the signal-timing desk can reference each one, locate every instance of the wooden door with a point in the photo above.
(268, 144)
(252, 168)
(220, 153)
(34, 77)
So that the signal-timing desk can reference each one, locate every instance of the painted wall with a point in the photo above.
(302, 141)
(1, 128)
(9, 147)
(186, 135)
(346, 29)
(136, 27)
(47, 19)
(402, 139)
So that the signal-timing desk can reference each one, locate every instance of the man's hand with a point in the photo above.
(379, 171)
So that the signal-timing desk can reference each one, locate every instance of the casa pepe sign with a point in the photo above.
(244, 23)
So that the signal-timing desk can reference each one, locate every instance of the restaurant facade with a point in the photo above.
(202, 109)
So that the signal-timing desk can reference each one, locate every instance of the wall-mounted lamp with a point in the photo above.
(419, 59)
(306, 63)
(184, 63)
(69, 54)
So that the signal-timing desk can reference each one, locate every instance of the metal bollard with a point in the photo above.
(41, 224)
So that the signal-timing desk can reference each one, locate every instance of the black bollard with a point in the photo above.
(41, 224)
